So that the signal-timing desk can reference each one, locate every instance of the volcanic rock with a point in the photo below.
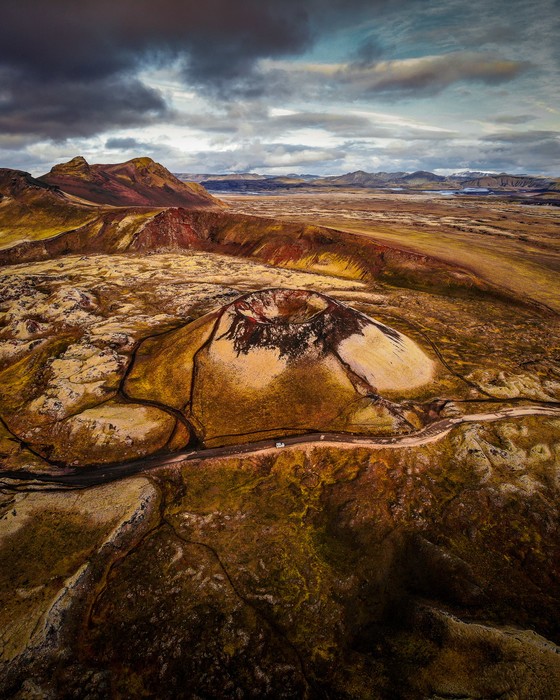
(319, 573)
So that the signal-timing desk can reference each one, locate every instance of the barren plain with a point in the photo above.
(504, 241)
(299, 447)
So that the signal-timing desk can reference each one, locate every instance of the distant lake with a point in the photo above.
(467, 190)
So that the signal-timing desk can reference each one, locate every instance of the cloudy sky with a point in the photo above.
(282, 86)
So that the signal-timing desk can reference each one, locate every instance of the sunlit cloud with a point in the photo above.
(420, 76)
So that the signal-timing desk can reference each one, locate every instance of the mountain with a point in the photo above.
(421, 177)
(505, 181)
(233, 183)
(303, 176)
(359, 179)
(138, 182)
(418, 180)
(68, 198)
(31, 209)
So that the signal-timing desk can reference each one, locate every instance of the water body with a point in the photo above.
(482, 191)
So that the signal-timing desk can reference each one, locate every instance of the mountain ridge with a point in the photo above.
(137, 182)
(418, 180)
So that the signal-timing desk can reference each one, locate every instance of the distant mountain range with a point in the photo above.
(419, 180)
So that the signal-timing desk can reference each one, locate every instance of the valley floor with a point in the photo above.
(507, 243)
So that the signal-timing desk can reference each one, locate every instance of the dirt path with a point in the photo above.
(92, 476)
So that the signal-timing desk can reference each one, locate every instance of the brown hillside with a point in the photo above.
(505, 181)
(138, 182)
(281, 244)
(31, 209)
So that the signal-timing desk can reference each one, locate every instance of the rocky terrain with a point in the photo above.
(251, 457)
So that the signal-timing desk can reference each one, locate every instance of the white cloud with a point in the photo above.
(423, 75)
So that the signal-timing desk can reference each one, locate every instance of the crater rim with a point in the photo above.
(282, 307)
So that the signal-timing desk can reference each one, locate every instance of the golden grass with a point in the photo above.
(19, 223)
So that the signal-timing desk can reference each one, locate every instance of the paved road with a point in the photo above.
(91, 476)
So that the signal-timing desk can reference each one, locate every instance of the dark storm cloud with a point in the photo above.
(222, 38)
(67, 67)
(124, 144)
(68, 108)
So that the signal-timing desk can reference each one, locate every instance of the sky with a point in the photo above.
(282, 86)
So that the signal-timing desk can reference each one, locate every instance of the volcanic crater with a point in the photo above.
(288, 319)
(278, 362)
(269, 364)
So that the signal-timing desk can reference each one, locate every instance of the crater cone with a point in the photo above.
(279, 362)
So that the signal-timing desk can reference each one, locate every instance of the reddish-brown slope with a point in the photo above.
(278, 243)
(138, 182)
